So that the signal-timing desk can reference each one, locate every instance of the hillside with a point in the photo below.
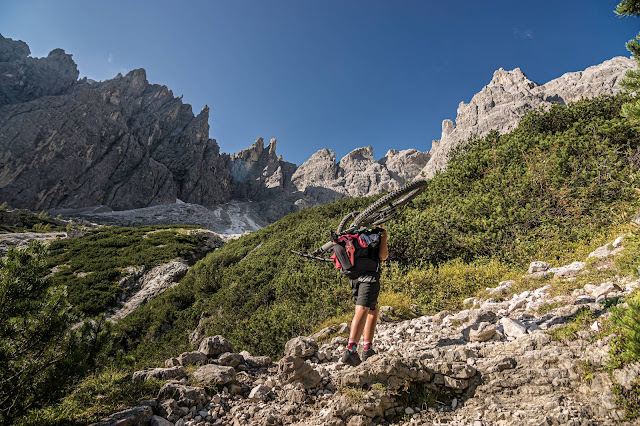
(550, 190)
(560, 185)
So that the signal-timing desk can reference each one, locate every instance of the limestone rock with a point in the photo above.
(480, 332)
(357, 174)
(513, 328)
(215, 374)
(259, 392)
(152, 284)
(214, 346)
(122, 143)
(296, 370)
(230, 359)
(627, 375)
(301, 347)
(256, 361)
(568, 271)
(538, 266)
(137, 416)
(510, 95)
(192, 358)
(184, 395)
(159, 421)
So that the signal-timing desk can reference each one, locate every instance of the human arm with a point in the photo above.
(384, 251)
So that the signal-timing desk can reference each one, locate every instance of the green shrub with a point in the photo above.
(101, 258)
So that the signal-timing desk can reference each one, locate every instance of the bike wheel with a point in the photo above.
(344, 221)
(375, 213)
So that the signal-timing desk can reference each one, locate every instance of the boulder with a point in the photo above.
(568, 271)
(183, 394)
(170, 410)
(513, 328)
(192, 358)
(214, 346)
(538, 266)
(627, 376)
(230, 359)
(259, 393)
(215, 374)
(256, 361)
(159, 421)
(479, 332)
(302, 347)
(297, 371)
(138, 416)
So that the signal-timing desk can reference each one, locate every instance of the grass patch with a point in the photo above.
(97, 396)
(354, 394)
(400, 302)
(582, 320)
(424, 396)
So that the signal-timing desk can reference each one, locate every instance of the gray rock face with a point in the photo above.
(127, 144)
(152, 284)
(503, 102)
(24, 79)
(122, 143)
(357, 174)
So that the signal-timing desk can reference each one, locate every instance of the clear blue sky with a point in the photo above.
(331, 73)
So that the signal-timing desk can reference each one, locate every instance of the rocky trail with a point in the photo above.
(493, 364)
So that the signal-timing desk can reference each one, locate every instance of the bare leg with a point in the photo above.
(370, 324)
(358, 322)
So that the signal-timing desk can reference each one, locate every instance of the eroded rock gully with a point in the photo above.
(494, 364)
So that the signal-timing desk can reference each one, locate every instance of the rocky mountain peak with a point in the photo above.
(510, 95)
(515, 77)
(13, 50)
(359, 157)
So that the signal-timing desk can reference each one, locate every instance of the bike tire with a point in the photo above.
(394, 199)
(344, 221)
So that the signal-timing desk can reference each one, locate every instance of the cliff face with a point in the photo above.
(357, 174)
(123, 143)
(506, 99)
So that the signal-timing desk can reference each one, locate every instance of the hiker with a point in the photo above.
(365, 290)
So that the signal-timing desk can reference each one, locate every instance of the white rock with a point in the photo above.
(538, 266)
(259, 393)
(568, 271)
(513, 328)
(618, 242)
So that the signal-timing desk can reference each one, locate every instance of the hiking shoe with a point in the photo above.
(368, 353)
(351, 358)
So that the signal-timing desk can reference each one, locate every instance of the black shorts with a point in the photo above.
(365, 290)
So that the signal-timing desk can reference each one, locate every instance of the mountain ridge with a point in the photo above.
(124, 143)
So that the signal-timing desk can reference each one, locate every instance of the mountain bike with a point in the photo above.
(379, 212)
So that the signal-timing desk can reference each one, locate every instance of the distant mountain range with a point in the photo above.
(127, 144)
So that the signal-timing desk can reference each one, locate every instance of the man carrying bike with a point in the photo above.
(365, 290)
(357, 252)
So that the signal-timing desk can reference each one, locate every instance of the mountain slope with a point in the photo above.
(552, 189)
